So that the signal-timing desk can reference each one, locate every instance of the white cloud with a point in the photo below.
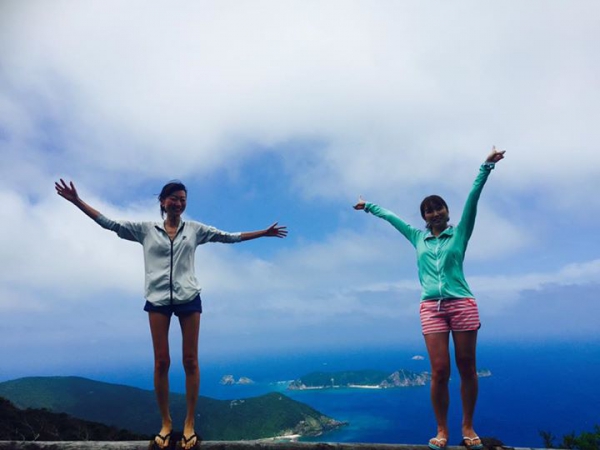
(345, 286)
(400, 94)
(502, 292)
(53, 248)
(391, 100)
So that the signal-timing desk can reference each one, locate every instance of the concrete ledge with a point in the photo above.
(224, 445)
(209, 445)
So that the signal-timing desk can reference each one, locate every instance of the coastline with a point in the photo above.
(364, 386)
(336, 386)
(282, 438)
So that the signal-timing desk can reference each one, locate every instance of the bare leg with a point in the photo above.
(465, 353)
(159, 328)
(439, 356)
(190, 330)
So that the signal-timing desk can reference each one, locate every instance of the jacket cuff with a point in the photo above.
(103, 221)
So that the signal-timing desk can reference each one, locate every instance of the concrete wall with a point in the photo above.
(219, 445)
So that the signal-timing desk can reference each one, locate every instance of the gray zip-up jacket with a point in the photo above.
(170, 276)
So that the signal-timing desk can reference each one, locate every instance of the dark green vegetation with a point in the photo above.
(585, 441)
(135, 409)
(43, 425)
(367, 378)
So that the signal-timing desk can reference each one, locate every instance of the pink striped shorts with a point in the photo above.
(449, 314)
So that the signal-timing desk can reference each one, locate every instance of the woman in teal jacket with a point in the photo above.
(447, 303)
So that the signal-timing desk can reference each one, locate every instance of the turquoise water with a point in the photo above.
(538, 387)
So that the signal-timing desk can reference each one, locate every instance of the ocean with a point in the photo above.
(544, 386)
(533, 388)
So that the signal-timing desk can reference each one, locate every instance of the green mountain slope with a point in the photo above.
(43, 425)
(135, 409)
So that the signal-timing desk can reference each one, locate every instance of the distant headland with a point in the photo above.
(366, 379)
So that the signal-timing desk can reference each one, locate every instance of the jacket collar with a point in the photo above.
(448, 232)
(161, 225)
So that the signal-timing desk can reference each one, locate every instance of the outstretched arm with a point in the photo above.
(272, 231)
(69, 193)
(467, 221)
(409, 232)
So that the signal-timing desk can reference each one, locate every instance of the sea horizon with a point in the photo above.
(533, 387)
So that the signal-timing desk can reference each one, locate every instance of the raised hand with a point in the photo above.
(360, 204)
(67, 192)
(275, 231)
(495, 156)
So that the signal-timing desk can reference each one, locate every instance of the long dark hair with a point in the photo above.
(168, 189)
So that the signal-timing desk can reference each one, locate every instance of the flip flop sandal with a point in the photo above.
(185, 441)
(468, 442)
(437, 443)
(155, 446)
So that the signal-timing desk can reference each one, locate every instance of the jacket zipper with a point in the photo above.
(437, 266)
(171, 265)
(171, 272)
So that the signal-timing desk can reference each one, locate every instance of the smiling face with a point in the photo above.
(436, 217)
(434, 211)
(173, 199)
(174, 204)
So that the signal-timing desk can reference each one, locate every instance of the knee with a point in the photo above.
(190, 364)
(466, 367)
(440, 374)
(162, 364)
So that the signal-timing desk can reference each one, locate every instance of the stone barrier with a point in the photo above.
(224, 445)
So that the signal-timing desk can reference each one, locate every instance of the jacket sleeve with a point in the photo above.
(207, 233)
(131, 231)
(407, 231)
(467, 221)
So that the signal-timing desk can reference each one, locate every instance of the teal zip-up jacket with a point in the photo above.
(440, 259)
(170, 276)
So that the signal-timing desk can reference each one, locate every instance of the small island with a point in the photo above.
(229, 380)
(365, 379)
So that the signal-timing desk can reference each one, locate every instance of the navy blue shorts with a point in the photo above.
(178, 309)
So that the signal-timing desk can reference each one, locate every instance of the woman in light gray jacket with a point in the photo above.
(170, 288)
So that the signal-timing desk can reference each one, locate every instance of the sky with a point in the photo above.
(288, 111)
